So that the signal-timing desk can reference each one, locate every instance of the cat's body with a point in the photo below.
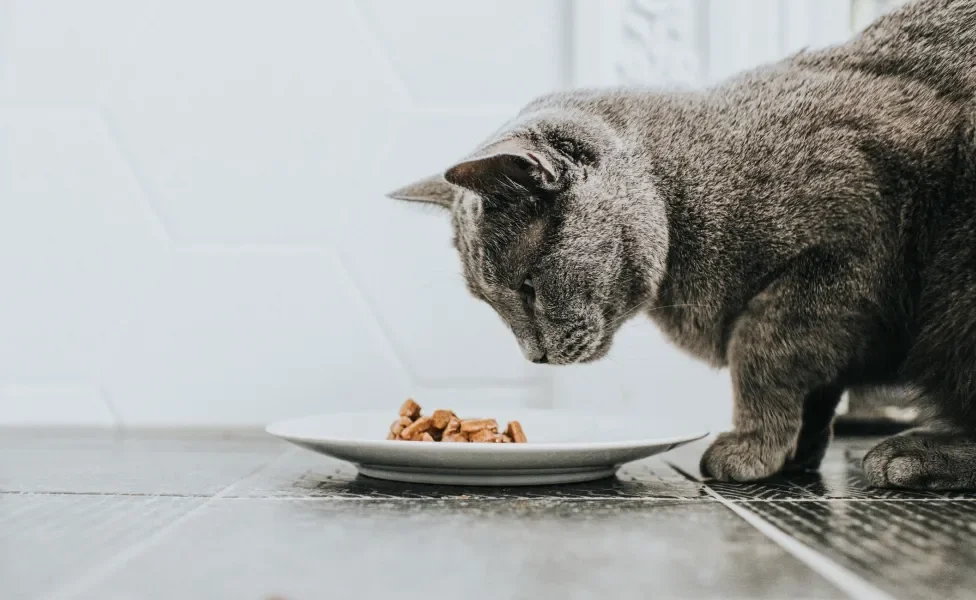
(811, 225)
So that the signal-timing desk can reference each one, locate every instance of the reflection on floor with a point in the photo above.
(89, 516)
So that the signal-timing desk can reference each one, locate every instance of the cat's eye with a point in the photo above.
(527, 290)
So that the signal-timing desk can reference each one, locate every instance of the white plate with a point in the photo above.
(563, 447)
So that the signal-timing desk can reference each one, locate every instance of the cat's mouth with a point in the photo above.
(598, 351)
(590, 350)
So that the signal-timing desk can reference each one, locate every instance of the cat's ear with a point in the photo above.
(501, 165)
(432, 190)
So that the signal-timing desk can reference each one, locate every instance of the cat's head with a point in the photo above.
(552, 232)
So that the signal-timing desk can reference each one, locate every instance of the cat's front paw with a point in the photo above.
(743, 457)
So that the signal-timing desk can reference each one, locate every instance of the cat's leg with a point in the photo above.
(796, 337)
(819, 408)
(934, 457)
(941, 370)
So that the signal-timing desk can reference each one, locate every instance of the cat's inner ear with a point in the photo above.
(503, 164)
(433, 190)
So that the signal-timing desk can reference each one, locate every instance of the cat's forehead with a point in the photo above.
(468, 211)
(497, 245)
(468, 220)
(473, 224)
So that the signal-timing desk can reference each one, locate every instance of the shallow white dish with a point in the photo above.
(563, 447)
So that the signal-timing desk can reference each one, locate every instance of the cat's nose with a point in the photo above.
(542, 360)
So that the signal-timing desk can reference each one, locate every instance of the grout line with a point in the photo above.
(357, 296)
(149, 196)
(106, 397)
(469, 497)
(102, 494)
(844, 579)
(381, 51)
(73, 588)
(845, 499)
(461, 497)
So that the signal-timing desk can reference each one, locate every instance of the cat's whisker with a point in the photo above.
(629, 311)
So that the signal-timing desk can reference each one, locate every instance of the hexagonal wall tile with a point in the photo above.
(244, 119)
(78, 244)
(401, 256)
(503, 52)
(242, 338)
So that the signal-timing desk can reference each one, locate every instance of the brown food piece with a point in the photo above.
(473, 425)
(399, 425)
(416, 428)
(453, 426)
(514, 431)
(445, 426)
(410, 409)
(482, 435)
(441, 418)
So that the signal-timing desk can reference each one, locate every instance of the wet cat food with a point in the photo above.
(445, 426)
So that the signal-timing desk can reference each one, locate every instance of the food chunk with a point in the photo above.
(514, 431)
(453, 426)
(445, 426)
(410, 409)
(482, 435)
(441, 418)
(472, 425)
(416, 428)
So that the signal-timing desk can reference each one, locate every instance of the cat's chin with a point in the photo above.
(601, 350)
(596, 353)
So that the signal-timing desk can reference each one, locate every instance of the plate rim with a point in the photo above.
(478, 448)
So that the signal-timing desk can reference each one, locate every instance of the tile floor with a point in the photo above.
(94, 516)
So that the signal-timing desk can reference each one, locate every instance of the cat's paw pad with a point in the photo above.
(903, 462)
(742, 457)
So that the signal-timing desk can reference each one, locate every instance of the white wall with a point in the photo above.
(192, 221)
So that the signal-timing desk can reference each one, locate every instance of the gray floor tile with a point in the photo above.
(913, 549)
(76, 509)
(153, 466)
(301, 473)
(685, 459)
(840, 476)
(407, 549)
(50, 542)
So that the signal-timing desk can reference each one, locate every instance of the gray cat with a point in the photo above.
(810, 224)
